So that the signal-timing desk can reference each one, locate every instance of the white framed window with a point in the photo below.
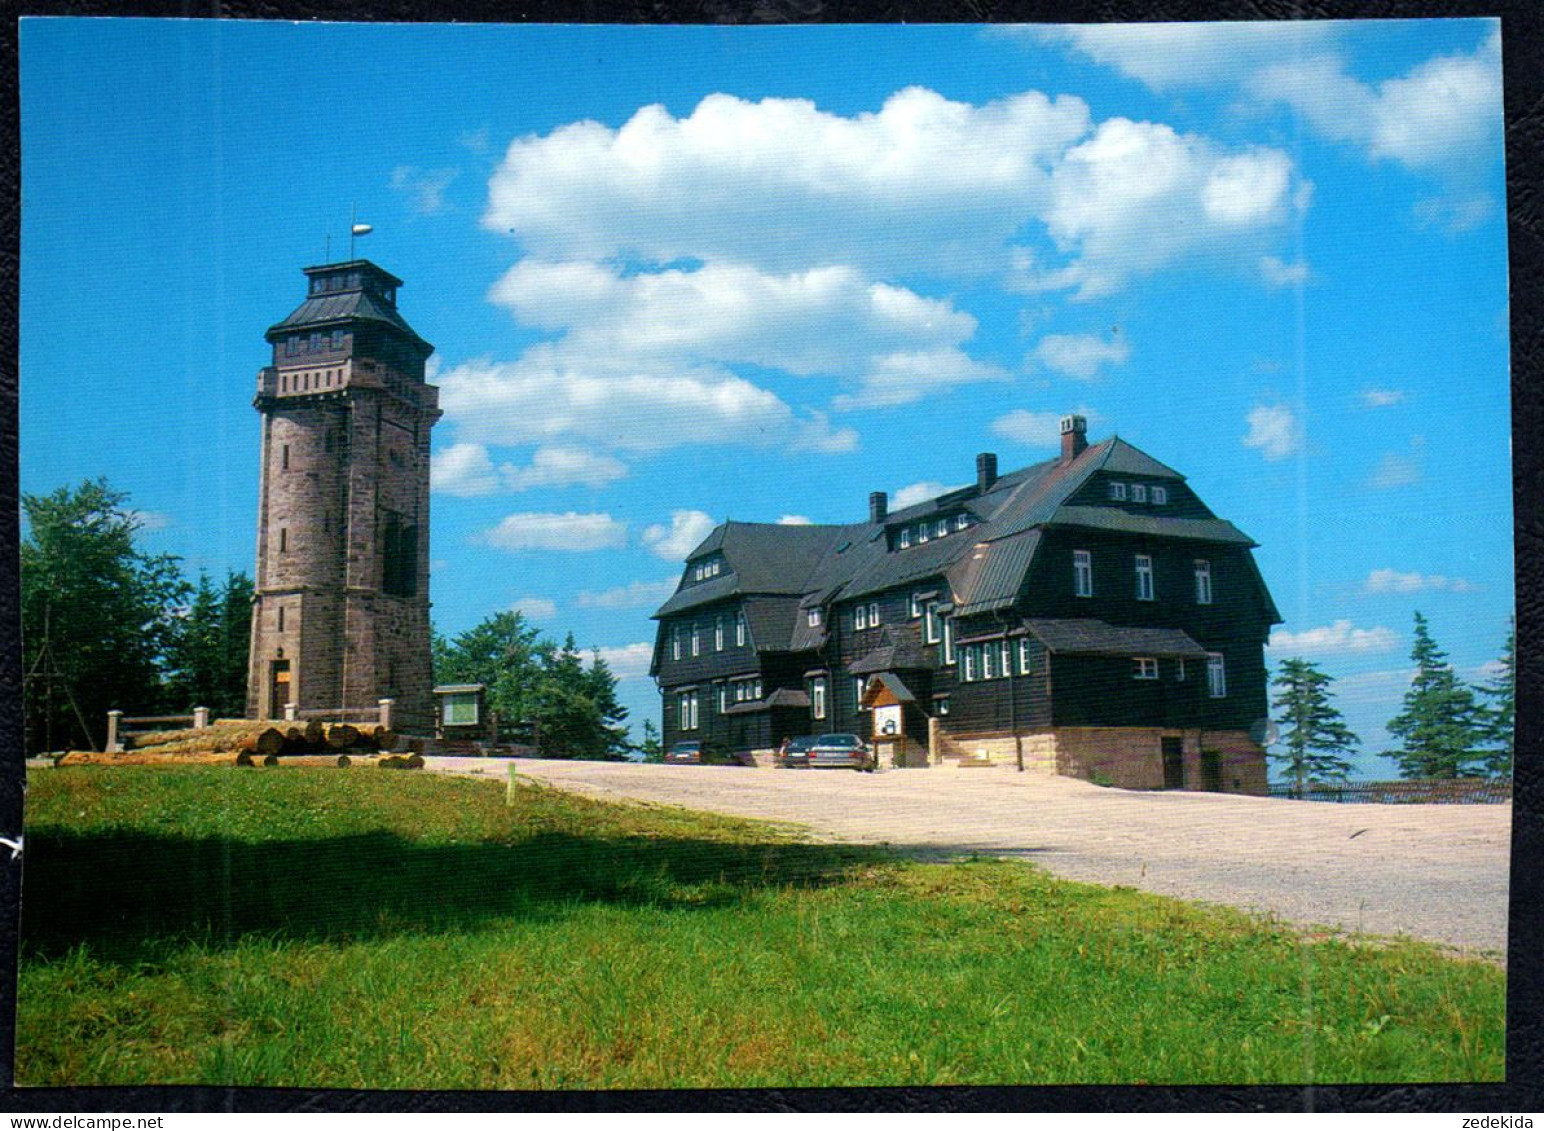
(988, 661)
(930, 620)
(1082, 573)
(948, 640)
(1160, 496)
(915, 606)
(818, 697)
(722, 689)
(1024, 656)
(1005, 657)
(941, 528)
(739, 630)
(688, 710)
(1144, 667)
(697, 572)
(961, 521)
(941, 706)
(1203, 582)
(756, 689)
(718, 634)
(968, 663)
(675, 642)
(1144, 577)
(905, 537)
(873, 614)
(1139, 492)
(859, 684)
(922, 533)
(860, 617)
(1118, 492)
(1179, 670)
(813, 618)
(1216, 675)
(696, 641)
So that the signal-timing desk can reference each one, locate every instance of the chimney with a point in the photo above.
(1074, 437)
(879, 506)
(986, 471)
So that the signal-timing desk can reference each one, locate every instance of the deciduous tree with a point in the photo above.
(105, 609)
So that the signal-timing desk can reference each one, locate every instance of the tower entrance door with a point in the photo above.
(278, 689)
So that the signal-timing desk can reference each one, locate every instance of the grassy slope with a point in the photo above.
(377, 930)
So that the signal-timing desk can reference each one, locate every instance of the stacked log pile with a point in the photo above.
(247, 742)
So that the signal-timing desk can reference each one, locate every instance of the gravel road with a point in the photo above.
(1434, 872)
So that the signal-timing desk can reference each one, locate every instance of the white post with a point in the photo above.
(386, 706)
(289, 711)
(200, 717)
(114, 719)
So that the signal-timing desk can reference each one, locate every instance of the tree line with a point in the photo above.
(109, 626)
(1447, 728)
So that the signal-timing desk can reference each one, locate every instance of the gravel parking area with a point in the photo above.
(1434, 872)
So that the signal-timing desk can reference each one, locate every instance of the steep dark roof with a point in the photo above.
(357, 304)
(898, 650)
(983, 566)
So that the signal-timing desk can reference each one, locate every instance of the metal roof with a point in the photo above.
(984, 565)
(340, 307)
(1096, 638)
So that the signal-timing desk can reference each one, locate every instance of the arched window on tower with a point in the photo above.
(399, 556)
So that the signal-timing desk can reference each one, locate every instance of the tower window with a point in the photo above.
(281, 618)
(284, 459)
(399, 557)
(283, 540)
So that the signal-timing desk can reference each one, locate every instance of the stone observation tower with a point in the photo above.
(340, 617)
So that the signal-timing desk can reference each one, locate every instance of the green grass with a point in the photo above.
(366, 929)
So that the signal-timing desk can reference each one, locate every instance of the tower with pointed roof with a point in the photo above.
(340, 616)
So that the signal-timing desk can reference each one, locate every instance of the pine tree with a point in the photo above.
(1501, 690)
(1313, 731)
(1442, 727)
(651, 748)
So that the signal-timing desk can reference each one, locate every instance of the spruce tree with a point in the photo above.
(1501, 690)
(1313, 731)
(1442, 728)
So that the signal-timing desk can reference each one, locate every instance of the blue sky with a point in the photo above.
(1273, 256)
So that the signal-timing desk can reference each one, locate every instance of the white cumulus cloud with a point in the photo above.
(1081, 355)
(547, 397)
(687, 528)
(567, 531)
(914, 493)
(425, 188)
(633, 595)
(1381, 398)
(1036, 429)
(1442, 112)
(1278, 274)
(1170, 55)
(535, 608)
(627, 661)
(1275, 430)
(467, 469)
(793, 520)
(1339, 637)
(1393, 581)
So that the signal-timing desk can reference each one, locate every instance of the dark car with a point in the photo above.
(698, 753)
(796, 753)
(845, 751)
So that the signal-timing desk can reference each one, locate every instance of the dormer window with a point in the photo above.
(905, 537)
(1139, 492)
(860, 617)
(961, 521)
(1160, 496)
(1118, 492)
(941, 528)
(922, 533)
(812, 618)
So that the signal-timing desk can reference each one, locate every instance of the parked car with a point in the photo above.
(796, 753)
(845, 751)
(698, 753)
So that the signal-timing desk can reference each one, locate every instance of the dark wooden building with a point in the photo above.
(1088, 615)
